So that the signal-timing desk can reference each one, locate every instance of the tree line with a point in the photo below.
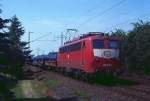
(13, 54)
(13, 51)
(135, 47)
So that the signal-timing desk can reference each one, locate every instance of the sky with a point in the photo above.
(49, 18)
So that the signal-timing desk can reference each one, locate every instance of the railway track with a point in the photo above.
(142, 88)
(135, 94)
(140, 92)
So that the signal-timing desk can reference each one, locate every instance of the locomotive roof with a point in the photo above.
(90, 34)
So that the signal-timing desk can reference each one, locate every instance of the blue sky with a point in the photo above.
(52, 17)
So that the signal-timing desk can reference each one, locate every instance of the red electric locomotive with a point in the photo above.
(90, 53)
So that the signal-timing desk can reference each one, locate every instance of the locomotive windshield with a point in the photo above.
(98, 44)
(113, 44)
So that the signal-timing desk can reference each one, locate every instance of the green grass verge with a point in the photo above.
(52, 83)
(18, 91)
(37, 88)
(110, 80)
(29, 86)
(82, 94)
(147, 71)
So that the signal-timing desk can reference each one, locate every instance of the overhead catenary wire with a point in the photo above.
(126, 21)
(101, 13)
(39, 37)
(45, 40)
(88, 11)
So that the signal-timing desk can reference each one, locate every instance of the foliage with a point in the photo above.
(13, 53)
(53, 83)
(135, 46)
(4, 44)
(139, 46)
(16, 31)
(82, 94)
(17, 50)
(110, 80)
(28, 88)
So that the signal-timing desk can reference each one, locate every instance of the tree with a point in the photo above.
(139, 46)
(5, 44)
(19, 51)
(12, 54)
(4, 41)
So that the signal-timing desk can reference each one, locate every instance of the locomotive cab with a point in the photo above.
(106, 53)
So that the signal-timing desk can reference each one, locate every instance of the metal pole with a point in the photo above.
(62, 39)
(38, 49)
(29, 39)
(69, 32)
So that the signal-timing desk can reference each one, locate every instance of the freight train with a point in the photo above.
(49, 60)
(90, 53)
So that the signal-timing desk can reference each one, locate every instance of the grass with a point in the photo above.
(107, 80)
(35, 89)
(18, 91)
(38, 88)
(110, 80)
(147, 71)
(52, 83)
(4, 61)
(82, 94)
(7, 82)
(24, 87)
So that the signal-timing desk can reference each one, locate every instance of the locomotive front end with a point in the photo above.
(106, 53)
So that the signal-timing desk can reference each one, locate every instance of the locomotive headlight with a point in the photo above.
(107, 54)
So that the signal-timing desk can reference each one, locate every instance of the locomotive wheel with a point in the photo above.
(53, 69)
(77, 74)
(58, 70)
(50, 67)
(87, 77)
(84, 77)
(63, 70)
(66, 73)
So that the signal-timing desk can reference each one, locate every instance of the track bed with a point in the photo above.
(94, 92)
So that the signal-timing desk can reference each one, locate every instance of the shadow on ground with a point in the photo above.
(6, 83)
(27, 75)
